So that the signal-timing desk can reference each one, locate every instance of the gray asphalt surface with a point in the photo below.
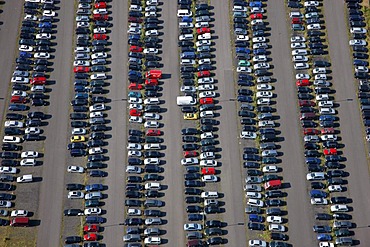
(294, 169)
(173, 172)
(10, 18)
(232, 173)
(118, 116)
(54, 168)
(351, 127)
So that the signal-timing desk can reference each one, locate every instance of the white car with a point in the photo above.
(261, 66)
(82, 18)
(311, 4)
(19, 79)
(152, 101)
(203, 42)
(134, 169)
(297, 45)
(211, 163)
(152, 32)
(315, 176)
(8, 170)
(134, 30)
(98, 76)
(270, 169)
(326, 103)
(244, 69)
(206, 135)
(193, 227)
(135, 7)
(97, 107)
(319, 71)
(150, 51)
(302, 76)
(81, 63)
(321, 83)
(19, 93)
(299, 52)
(133, 212)
(297, 39)
(266, 123)
(361, 69)
(32, 130)
(28, 162)
(79, 131)
(75, 169)
(207, 114)
(13, 123)
(264, 94)
(189, 161)
(96, 150)
(242, 38)
(134, 153)
(300, 58)
(299, 66)
(274, 219)
(151, 14)
(257, 22)
(151, 161)
(204, 61)
(248, 135)
(358, 30)
(152, 240)
(314, 26)
(136, 106)
(260, 58)
(335, 188)
(151, 116)
(83, 24)
(253, 194)
(257, 243)
(322, 97)
(96, 114)
(48, 12)
(19, 213)
(151, 124)
(75, 195)
(134, 146)
(264, 87)
(255, 202)
(327, 111)
(329, 137)
(259, 40)
(137, 25)
(209, 178)
(100, 30)
(257, 10)
(12, 139)
(207, 94)
(30, 17)
(99, 55)
(201, 24)
(44, 55)
(206, 80)
(43, 36)
(239, 8)
(277, 228)
(206, 87)
(207, 155)
(100, 11)
(25, 48)
(135, 119)
(186, 37)
(93, 211)
(133, 100)
(30, 154)
(339, 208)
(319, 201)
(326, 244)
(204, 36)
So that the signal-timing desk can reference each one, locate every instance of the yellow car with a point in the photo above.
(190, 116)
(78, 139)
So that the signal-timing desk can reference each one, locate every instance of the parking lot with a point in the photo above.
(184, 123)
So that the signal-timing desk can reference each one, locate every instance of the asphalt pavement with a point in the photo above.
(351, 126)
(173, 172)
(293, 165)
(232, 173)
(57, 131)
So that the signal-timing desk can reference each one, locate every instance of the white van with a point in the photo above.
(153, 186)
(25, 178)
(184, 12)
(186, 100)
(187, 62)
(295, 14)
(209, 194)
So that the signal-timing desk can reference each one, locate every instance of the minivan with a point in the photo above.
(184, 12)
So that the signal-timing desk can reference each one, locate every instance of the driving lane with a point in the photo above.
(54, 166)
(351, 125)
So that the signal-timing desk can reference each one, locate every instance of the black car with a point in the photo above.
(14, 116)
(9, 163)
(10, 147)
(13, 131)
(318, 185)
(256, 226)
(72, 239)
(323, 216)
(73, 212)
(97, 173)
(193, 191)
(279, 236)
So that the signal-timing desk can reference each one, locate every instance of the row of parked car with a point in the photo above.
(316, 102)
(22, 122)
(199, 145)
(88, 118)
(144, 147)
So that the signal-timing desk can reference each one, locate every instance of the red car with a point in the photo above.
(135, 48)
(90, 237)
(306, 103)
(151, 82)
(135, 86)
(256, 16)
(151, 132)
(135, 112)
(203, 30)
(135, 19)
(204, 73)
(18, 99)
(100, 17)
(302, 83)
(206, 101)
(91, 228)
(327, 131)
(99, 36)
(296, 21)
(100, 5)
(38, 80)
(311, 131)
(81, 69)
(189, 154)
(208, 171)
(330, 151)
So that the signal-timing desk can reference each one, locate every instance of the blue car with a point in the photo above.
(312, 160)
(134, 36)
(255, 218)
(187, 19)
(25, 54)
(318, 194)
(195, 217)
(242, 50)
(327, 118)
(358, 62)
(17, 107)
(94, 187)
(94, 220)
(261, 51)
(45, 24)
(134, 94)
(134, 73)
(324, 237)
(81, 89)
(243, 98)
(81, 96)
(255, 4)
